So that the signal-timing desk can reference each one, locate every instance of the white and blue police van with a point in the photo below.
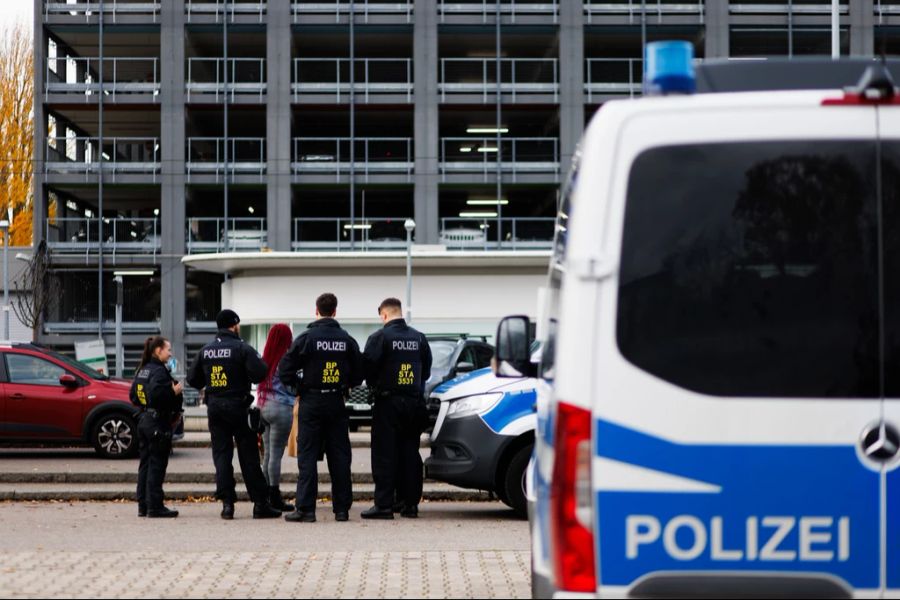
(719, 396)
(484, 435)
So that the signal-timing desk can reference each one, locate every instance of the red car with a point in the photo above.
(46, 397)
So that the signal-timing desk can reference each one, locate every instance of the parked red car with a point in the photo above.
(46, 397)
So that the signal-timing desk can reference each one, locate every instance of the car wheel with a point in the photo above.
(513, 482)
(115, 436)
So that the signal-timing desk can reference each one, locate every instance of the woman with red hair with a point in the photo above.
(276, 404)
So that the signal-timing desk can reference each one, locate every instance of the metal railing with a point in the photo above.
(487, 9)
(380, 233)
(517, 76)
(492, 233)
(782, 7)
(518, 155)
(245, 76)
(120, 235)
(207, 234)
(113, 8)
(207, 155)
(371, 76)
(613, 77)
(633, 8)
(363, 8)
(120, 155)
(219, 9)
(886, 8)
(121, 75)
(371, 155)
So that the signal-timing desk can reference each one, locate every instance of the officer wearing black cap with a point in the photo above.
(322, 364)
(226, 367)
(398, 363)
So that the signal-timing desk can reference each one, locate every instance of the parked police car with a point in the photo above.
(484, 435)
(721, 375)
(452, 355)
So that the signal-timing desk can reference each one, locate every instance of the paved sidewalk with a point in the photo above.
(468, 550)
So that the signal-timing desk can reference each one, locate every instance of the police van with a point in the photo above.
(719, 397)
(484, 435)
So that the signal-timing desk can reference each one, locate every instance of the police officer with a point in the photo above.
(226, 367)
(322, 364)
(398, 363)
(159, 398)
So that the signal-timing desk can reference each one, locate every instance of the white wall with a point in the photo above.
(443, 299)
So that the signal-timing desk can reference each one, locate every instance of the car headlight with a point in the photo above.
(472, 405)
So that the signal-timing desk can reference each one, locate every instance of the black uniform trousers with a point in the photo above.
(397, 425)
(323, 423)
(228, 428)
(155, 445)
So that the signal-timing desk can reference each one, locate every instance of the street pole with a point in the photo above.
(120, 350)
(6, 279)
(410, 226)
(835, 29)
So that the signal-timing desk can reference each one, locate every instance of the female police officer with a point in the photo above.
(159, 396)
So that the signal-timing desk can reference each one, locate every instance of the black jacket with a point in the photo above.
(328, 357)
(227, 367)
(398, 359)
(152, 388)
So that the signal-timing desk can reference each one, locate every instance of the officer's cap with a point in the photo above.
(227, 319)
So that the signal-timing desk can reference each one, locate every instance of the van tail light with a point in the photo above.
(571, 501)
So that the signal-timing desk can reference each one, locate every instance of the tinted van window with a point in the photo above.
(750, 269)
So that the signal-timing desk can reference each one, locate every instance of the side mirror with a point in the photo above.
(69, 381)
(465, 367)
(513, 358)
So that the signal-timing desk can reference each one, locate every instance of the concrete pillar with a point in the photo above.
(278, 124)
(717, 33)
(571, 80)
(425, 69)
(862, 28)
(40, 127)
(172, 153)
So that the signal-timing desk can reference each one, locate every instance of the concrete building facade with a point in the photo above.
(173, 128)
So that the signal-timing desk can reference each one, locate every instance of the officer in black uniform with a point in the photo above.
(323, 363)
(226, 367)
(398, 363)
(159, 398)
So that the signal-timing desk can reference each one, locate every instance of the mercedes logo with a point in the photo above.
(881, 442)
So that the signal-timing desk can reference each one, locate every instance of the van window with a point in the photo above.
(750, 269)
(890, 177)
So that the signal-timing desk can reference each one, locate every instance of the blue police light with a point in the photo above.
(669, 68)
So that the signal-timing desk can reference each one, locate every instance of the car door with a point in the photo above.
(741, 364)
(886, 441)
(38, 405)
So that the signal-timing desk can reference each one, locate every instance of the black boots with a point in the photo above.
(277, 501)
(300, 517)
(264, 510)
(227, 510)
(378, 513)
(161, 513)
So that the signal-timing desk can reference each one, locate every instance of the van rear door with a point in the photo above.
(746, 362)
(886, 441)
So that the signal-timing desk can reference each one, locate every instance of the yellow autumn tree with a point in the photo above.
(16, 130)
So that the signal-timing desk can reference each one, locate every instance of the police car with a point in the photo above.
(484, 435)
(720, 386)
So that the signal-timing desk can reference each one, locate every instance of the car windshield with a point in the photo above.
(80, 367)
(441, 353)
